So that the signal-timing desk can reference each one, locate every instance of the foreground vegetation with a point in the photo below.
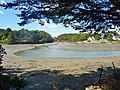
(25, 36)
(84, 36)
(9, 81)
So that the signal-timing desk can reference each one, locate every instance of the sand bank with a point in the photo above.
(68, 65)
(62, 73)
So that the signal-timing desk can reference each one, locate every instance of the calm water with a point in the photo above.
(52, 52)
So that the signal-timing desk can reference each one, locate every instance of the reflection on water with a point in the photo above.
(53, 51)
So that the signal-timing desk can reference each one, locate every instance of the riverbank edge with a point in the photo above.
(11, 57)
(14, 48)
(65, 66)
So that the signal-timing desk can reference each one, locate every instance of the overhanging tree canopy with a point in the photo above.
(79, 14)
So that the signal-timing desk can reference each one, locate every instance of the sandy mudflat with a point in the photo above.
(66, 66)
(69, 65)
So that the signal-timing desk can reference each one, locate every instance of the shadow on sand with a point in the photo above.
(56, 80)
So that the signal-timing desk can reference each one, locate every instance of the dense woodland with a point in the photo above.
(84, 36)
(24, 36)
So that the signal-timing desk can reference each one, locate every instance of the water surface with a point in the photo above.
(53, 51)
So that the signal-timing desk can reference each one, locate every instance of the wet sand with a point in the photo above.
(48, 68)
(69, 65)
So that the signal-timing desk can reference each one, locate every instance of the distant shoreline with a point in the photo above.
(88, 46)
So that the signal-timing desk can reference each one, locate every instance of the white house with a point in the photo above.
(113, 28)
(91, 39)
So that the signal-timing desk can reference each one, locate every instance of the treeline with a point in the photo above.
(75, 37)
(82, 37)
(24, 36)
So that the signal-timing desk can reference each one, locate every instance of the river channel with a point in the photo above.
(56, 51)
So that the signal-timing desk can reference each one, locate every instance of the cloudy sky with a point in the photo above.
(9, 19)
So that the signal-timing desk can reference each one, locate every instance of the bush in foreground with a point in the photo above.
(9, 82)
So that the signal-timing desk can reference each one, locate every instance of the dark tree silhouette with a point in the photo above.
(2, 53)
(9, 82)
(79, 14)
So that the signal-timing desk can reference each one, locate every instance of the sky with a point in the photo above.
(8, 19)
